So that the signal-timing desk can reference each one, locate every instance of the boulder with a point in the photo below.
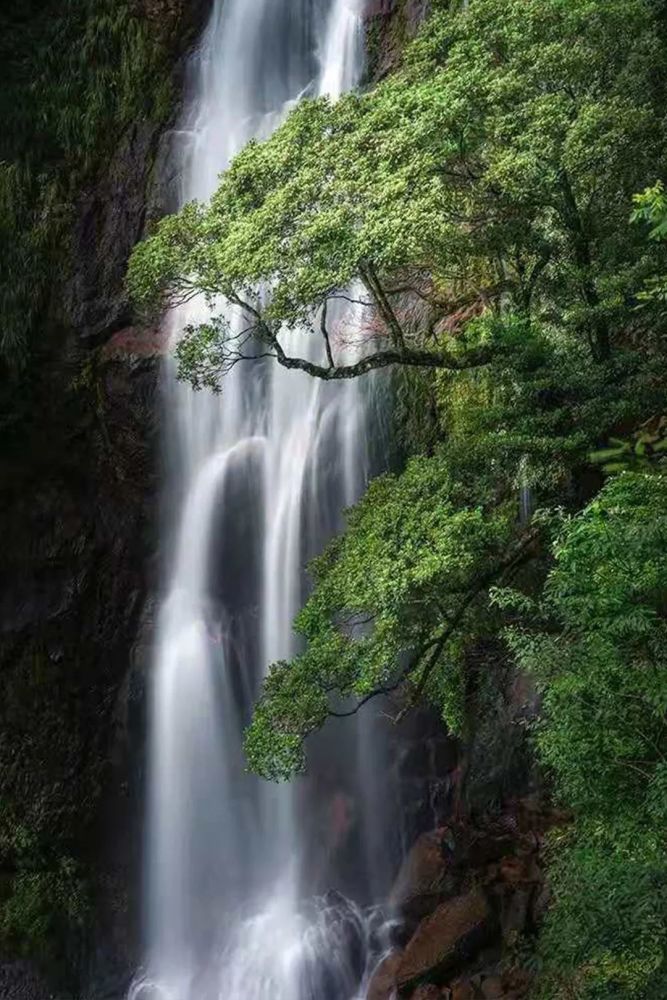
(493, 988)
(428, 992)
(478, 848)
(423, 877)
(445, 940)
(462, 990)
(383, 981)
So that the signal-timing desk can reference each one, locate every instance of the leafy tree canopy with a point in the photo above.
(498, 166)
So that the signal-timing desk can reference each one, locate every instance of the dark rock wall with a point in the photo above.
(78, 508)
(75, 571)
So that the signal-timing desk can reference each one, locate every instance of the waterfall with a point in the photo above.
(259, 477)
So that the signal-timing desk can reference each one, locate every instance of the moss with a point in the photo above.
(76, 75)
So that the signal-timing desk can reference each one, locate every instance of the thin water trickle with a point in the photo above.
(262, 473)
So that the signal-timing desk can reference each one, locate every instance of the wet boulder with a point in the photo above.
(424, 877)
(383, 981)
(444, 941)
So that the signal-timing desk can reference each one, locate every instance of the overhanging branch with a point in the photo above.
(517, 554)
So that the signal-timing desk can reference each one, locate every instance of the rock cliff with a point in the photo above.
(77, 492)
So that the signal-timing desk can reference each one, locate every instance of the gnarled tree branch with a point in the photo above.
(259, 339)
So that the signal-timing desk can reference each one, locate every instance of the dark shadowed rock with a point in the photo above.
(19, 981)
(390, 24)
(109, 223)
(427, 992)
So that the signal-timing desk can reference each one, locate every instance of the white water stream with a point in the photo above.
(261, 474)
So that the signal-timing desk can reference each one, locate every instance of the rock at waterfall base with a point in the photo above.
(456, 930)
(383, 981)
(424, 878)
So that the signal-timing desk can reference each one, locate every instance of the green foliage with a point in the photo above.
(75, 76)
(604, 939)
(499, 163)
(602, 667)
(532, 416)
(44, 899)
(385, 594)
(645, 451)
(651, 207)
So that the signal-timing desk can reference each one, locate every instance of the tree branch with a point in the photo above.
(514, 557)
(325, 334)
(381, 359)
(372, 283)
(221, 357)
(387, 689)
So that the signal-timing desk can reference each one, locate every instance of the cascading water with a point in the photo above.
(262, 474)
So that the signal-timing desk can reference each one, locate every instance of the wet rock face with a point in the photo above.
(113, 210)
(78, 499)
(19, 981)
(468, 894)
(78, 517)
(423, 878)
(109, 222)
(390, 24)
(426, 764)
(446, 939)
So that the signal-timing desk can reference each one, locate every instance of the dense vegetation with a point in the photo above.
(595, 640)
(482, 205)
(75, 75)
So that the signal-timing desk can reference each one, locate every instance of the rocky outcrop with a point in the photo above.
(422, 879)
(109, 221)
(445, 940)
(470, 897)
(20, 981)
(112, 210)
(389, 25)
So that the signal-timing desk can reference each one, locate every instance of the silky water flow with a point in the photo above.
(237, 869)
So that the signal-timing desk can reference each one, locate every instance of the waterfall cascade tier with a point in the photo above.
(261, 475)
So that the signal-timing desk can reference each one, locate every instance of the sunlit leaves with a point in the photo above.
(500, 161)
